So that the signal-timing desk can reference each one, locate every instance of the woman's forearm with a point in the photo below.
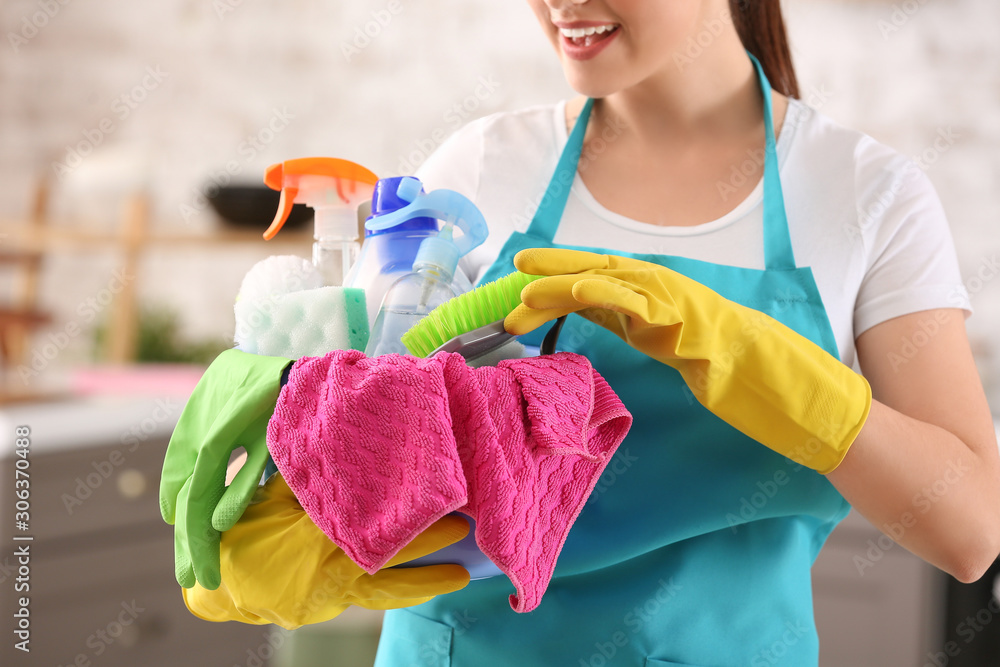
(925, 488)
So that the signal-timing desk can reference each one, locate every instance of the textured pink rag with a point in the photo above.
(378, 449)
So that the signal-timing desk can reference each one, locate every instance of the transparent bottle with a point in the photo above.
(432, 279)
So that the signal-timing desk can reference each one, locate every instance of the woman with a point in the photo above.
(742, 388)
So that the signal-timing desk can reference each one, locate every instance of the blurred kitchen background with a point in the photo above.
(119, 119)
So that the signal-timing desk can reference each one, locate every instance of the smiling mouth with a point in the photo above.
(584, 37)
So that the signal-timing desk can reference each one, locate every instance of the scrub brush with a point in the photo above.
(471, 323)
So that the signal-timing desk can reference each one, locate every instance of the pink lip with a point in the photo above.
(585, 52)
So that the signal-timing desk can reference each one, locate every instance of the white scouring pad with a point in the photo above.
(283, 311)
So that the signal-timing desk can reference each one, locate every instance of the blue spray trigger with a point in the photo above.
(446, 205)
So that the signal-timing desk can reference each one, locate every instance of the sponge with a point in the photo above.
(279, 274)
(283, 311)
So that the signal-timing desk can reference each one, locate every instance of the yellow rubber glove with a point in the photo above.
(753, 372)
(278, 567)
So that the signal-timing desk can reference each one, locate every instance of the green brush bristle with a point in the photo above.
(483, 305)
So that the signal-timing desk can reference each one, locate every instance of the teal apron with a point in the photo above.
(695, 547)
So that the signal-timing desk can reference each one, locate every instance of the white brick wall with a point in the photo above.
(900, 72)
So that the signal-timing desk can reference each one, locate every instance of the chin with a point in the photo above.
(591, 85)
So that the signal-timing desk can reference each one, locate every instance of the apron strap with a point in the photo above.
(550, 210)
(778, 253)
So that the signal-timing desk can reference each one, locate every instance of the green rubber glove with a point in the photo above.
(751, 371)
(229, 408)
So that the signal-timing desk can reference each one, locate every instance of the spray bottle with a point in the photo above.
(333, 188)
(388, 251)
(431, 281)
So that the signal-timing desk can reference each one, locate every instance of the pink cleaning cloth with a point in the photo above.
(378, 449)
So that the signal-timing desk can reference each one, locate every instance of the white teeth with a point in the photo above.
(576, 33)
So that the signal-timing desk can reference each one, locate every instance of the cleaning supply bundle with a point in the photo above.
(432, 280)
(377, 449)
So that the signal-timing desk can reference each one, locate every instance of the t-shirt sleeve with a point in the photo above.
(456, 165)
(910, 254)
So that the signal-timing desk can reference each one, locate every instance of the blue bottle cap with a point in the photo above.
(386, 199)
(442, 251)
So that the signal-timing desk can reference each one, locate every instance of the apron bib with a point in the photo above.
(695, 547)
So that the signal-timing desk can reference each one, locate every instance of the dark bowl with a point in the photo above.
(254, 206)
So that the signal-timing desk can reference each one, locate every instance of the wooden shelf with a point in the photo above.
(27, 242)
(49, 238)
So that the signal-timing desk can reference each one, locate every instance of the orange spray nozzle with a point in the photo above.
(314, 181)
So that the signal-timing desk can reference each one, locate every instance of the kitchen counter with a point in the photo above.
(128, 405)
(85, 422)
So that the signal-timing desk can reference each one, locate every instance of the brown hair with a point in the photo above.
(762, 31)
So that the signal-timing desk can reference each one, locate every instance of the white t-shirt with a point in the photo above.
(866, 219)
